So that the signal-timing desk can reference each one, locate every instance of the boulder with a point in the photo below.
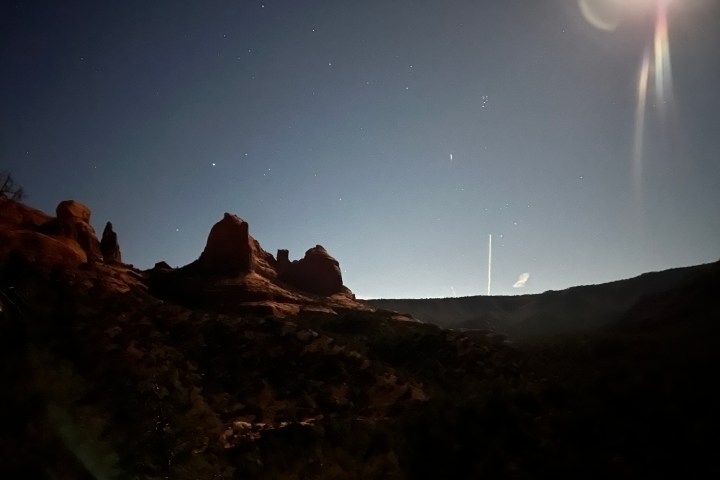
(71, 211)
(109, 245)
(73, 222)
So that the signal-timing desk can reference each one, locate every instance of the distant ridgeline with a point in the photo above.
(533, 316)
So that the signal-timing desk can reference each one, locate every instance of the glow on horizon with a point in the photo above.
(489, 262)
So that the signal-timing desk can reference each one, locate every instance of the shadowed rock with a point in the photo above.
(317, 272)
(234, 273)
(231, 249)
(109, 245)
(228, 247)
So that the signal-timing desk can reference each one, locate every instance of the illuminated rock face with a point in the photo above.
(71, 211)
(68, 240)
(73, 222)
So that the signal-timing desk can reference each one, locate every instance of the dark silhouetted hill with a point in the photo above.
(576, 309)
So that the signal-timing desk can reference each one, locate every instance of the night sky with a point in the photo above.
(398, 134)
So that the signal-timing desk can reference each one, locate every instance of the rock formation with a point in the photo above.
(228, 247)
(18, 215)
(231, 249)
(73, 222)
(109, 245)
(67, 240)
(235, 273)
(317, 272)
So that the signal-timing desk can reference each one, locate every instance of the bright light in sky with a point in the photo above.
(655, 70)
(657, 58)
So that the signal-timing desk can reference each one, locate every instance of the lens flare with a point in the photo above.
(656, 71)
(663, 68)
(642, 88)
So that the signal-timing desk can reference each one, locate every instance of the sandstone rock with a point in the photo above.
(73, 212)
(20, 215)
(32, 235)
(40, 250)
(73, 222)
(234, 274)
(109, 245)
(317, 272)
(231, 249)
(283, 260)
(228, 246)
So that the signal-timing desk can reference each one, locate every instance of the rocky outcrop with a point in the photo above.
(42, 251)
(18, 215)
(29, 235)
(317, 272)
(231, 249)
(71, 211)
(234, 273)
(109, 245)
(228, 247)
(73, 222)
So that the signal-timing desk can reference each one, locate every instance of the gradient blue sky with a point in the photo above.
(398, 134)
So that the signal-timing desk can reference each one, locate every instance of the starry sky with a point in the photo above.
(398, 134)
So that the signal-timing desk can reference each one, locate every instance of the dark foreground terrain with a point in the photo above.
(105, 378)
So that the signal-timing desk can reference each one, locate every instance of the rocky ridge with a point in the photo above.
(235, 274)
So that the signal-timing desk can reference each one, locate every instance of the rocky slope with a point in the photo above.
(110, 373)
